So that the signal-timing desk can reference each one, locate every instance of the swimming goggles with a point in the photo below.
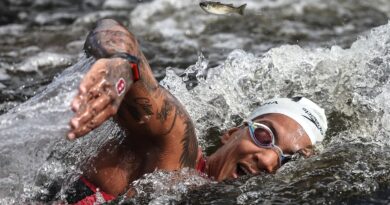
(263, 137)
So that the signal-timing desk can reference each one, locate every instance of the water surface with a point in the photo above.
(220, 67)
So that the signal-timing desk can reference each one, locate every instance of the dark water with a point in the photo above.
(334, 52)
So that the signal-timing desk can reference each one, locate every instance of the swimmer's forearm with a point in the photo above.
(144, 99)
(110, 79)
(146, 102)
(108, 38)
(147, 111)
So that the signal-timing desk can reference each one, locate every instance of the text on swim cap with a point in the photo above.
(313, 119)
(270, 103)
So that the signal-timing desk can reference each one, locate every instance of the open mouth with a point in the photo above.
(241, 170)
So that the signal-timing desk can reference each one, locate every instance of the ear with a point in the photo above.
(228, 135)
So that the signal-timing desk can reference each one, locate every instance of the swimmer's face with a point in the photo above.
(239, 155)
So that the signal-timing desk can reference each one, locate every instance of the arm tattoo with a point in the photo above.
(145, 104)
(190, 146)
(170, 106)
(135, 112)
(150, 83)
(189, 141)
(166, 109)
(172, 125)
(103, 43)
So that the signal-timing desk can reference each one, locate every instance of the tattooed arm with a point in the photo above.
(148, 113)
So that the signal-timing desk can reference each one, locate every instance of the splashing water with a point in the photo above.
(161, 187)
(34, 152)
(350, 82)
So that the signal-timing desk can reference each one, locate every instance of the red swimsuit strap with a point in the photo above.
(107, 197)
(201, 165)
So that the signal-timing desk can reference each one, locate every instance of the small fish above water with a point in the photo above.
(220, 8)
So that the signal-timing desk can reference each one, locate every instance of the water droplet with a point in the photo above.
(144, 119)
(99, 197)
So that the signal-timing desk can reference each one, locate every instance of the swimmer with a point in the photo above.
(160, 133)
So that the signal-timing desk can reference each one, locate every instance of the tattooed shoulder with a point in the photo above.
(165, 111)
(188, 141)
(190, 145)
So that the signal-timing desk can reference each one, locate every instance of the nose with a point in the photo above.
(267, 160)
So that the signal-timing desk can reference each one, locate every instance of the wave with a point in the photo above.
(352, 84)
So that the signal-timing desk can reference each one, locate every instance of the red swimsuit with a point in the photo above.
(97, 196)
(101, 196)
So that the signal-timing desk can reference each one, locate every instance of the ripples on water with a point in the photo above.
(326, 51)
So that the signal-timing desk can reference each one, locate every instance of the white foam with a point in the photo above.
(3, 74)
(352, 81)
(117, 4)
(43, 60)
(330, 77)
(169, 17)
(12, 29)
(92, 17)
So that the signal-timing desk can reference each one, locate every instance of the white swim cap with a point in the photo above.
(309, 115)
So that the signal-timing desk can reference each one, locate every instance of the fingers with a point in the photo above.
(92, 123)
(78, 102)
(87, 112)
(94, 76)
(93, 93)
(99, 96)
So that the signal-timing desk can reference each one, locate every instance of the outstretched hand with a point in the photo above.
(100, 94)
